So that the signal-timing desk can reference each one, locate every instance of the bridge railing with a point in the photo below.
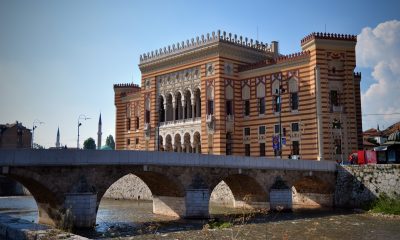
(69, 157)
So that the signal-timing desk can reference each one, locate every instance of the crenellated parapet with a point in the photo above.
(329, 36)
(357, 74)
(280, 59)
(292, 57)
(126, 85)
(203, 40)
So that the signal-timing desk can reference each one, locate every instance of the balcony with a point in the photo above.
(180, 122)
(261, 138)
(209, 118)
(230, 119)
(294, 135)
(337, 108)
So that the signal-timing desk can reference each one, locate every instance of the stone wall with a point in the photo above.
(129, 187)
(132, 187)
(357, 185)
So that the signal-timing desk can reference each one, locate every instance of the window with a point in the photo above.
(228, 143)
(334, 98)
(247, 149)
(261, 130)
(294, 101)
(210, 105)
(137, 140)
(276, 128)
(229, 107)
(338, 146)
(295, 127)
(247, 131)
(128, 141)
(295, 148)
(277, 104)
(246, 107)
(262, 149)
(128, 124)
(137, 123)
(336, 124)
(147, 120)
(261, 105)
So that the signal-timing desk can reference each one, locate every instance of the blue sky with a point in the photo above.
(60, 59)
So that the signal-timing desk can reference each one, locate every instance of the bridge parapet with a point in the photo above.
(92, 157)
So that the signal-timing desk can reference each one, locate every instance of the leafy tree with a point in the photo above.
(89, 144)
(37, 146)
(110, 142)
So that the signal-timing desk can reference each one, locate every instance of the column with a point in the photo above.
(183, 108)
(173, 110)
(193, 105)
(165, 112)
(194, 149)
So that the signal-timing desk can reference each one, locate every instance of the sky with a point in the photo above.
(60, 59)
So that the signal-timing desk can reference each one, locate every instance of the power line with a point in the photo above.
(377, 114)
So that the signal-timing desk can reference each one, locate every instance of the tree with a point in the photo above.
(37, 146)
(110, 142)
(89, 144)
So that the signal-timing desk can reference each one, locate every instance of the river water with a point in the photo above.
(135, 220)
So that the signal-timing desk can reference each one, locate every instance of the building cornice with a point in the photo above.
(214, 45)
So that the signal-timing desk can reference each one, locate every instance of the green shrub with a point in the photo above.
(386, 204)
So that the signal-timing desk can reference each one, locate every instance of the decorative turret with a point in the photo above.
(99, 133)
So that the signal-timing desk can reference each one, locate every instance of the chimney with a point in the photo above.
(275, 48)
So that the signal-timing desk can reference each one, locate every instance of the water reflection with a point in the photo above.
(121, 218)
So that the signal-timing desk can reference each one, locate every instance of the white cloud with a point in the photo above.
(379, 49)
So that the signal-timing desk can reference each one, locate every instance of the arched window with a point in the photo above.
(294, 94)
(229, 99)
(147, 107)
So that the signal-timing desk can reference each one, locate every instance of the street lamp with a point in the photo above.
(82, 116)
(279, 92)
(34, 126)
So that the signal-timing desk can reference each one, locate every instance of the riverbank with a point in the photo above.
(20, 229)
(133, 220)
(296, 225)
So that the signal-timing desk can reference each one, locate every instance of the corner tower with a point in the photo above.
(337, 91)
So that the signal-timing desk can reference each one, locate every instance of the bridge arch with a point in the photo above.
(247, 192)
(49, 204)
(311, 191)
(167, 193)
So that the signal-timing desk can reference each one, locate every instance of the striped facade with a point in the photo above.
(222, 94)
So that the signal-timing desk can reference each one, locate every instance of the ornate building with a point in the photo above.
(225, 94)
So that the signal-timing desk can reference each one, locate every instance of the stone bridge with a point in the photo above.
(75, 181)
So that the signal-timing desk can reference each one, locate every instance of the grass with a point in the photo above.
(215, 224)
(386, 205)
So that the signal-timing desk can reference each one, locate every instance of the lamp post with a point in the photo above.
(82, 116)
(34, 126)
(279, 93)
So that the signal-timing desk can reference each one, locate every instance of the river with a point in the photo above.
(135, 220)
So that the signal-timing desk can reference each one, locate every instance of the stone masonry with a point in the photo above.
(357, 185)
